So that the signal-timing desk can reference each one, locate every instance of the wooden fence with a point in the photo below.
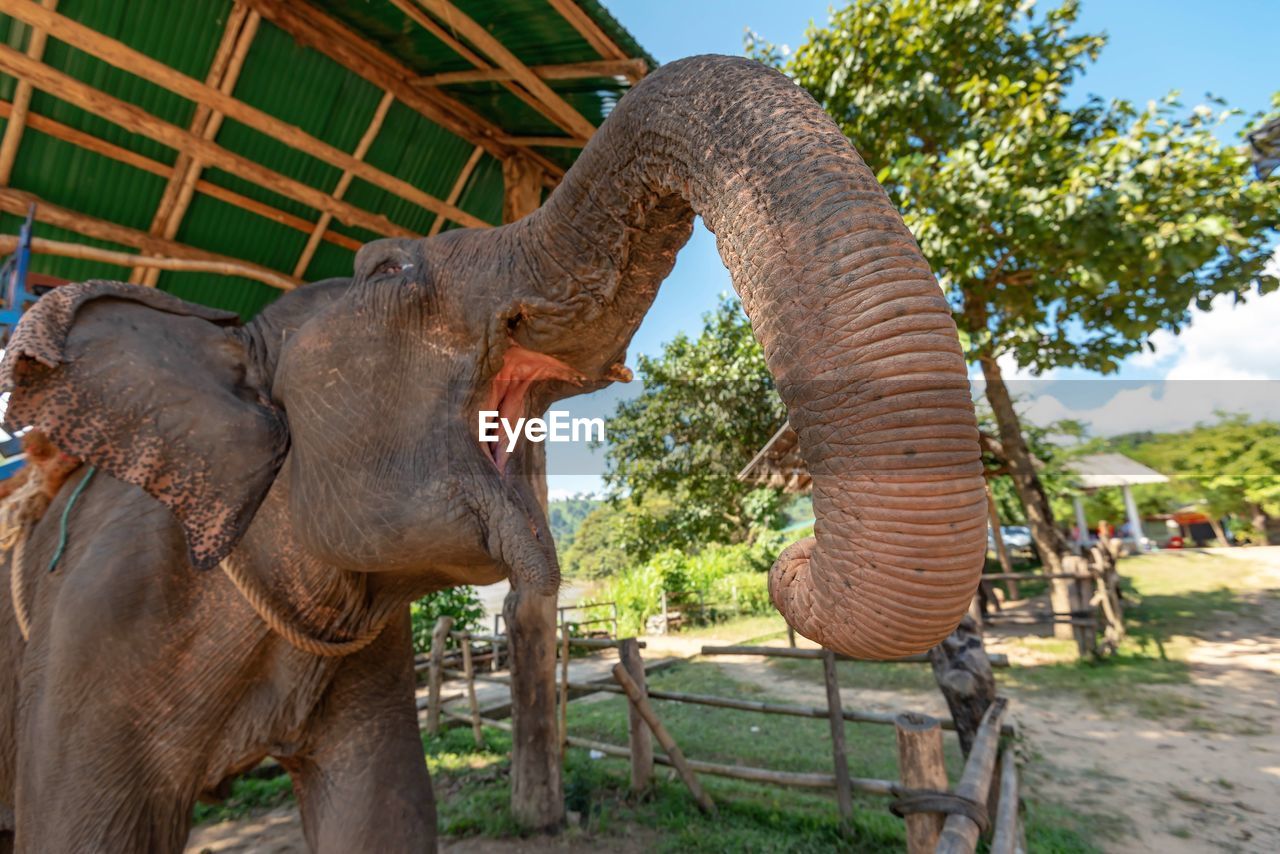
(1084, 602)
(937, 817)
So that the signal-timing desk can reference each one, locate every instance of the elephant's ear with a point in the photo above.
(154, 391)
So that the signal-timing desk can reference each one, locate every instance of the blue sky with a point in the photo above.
(1227, 47)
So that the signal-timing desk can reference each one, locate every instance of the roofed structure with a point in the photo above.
(779, 464)
(271, 138)
(1097, 471)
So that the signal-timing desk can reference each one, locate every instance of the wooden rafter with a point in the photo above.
(544, 141)
(126, 58)
(564, 114)
(370, 134)
(455, 192)
(591, 31)
(324, 34)
(17, 202)
(562, 71)
(139, 121)
(413, 11)
(21, 104)
(79, 138)
(228, 60)
(43, 246)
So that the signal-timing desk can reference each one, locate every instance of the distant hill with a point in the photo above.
(566, 514)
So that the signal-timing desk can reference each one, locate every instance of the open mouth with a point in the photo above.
(509, 394)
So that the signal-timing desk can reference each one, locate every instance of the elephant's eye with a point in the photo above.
(390, 267)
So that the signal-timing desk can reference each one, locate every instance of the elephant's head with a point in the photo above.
(372, 390)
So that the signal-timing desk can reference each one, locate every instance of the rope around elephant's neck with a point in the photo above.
(18, 516)
(283, 626)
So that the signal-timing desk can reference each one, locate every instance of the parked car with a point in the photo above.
(1017, 538)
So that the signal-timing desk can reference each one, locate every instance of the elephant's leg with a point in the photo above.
(361, 779)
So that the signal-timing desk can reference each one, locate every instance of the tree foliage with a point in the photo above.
(707, 406)
(1063, 234)
(461, 603)
(566, 515)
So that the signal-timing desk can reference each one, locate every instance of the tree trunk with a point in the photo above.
(963, 672)
(1022, 469)
(1216, 524)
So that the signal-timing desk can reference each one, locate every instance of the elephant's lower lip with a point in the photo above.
(509, 393)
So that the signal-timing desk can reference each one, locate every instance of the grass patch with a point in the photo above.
(248, 795)
(867, 675)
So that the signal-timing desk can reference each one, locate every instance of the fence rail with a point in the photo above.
(936, 817)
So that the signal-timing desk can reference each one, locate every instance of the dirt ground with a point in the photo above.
(1205, 780)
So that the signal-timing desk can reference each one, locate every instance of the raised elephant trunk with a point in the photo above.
(854, 327)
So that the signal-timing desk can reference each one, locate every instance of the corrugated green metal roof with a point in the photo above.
(300, 86)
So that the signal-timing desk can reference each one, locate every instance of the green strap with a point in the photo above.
(66, 513)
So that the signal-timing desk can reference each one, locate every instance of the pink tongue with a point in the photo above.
(521, 368)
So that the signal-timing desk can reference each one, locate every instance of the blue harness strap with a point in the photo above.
(66, 514)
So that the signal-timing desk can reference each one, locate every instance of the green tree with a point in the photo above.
(1231, 467)
(1063, 235)
(566, 515)
(708, 405)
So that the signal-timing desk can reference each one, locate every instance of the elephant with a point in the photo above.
(325, 456)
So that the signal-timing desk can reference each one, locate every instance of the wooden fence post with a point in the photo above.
(640, 703)
(844, 795)
(640, 740)
(436, 674)
(1007, 837)
(468, 670)
(1081, 601)
(959, 832)
(922, 767)
(564, 691)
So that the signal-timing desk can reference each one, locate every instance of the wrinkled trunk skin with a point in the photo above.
(1022, 470)
(854, 327)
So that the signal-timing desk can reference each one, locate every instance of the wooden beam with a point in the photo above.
(139, 121)
(57, 130)
(455, 192)
(237, 36)
(43, 246)
(127, 59)
(562, 71)
(547, 141)
(21, 104)
(312, 28)
(564, 113)
(590, 30)
(412, 11)
(17, 202)
(362, 148)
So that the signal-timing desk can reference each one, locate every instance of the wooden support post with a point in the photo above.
(963, 673)
(469, 671)
(1080, 599)
(959, 832)
(439, 635)
(640, 703)
(835, 714)
(1001, 551)
(21, 104)
(1060, 602)
(922, 766)
(638, 734)
(1006, 837)
(791, 636)
(522, 187)
(564, 691)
